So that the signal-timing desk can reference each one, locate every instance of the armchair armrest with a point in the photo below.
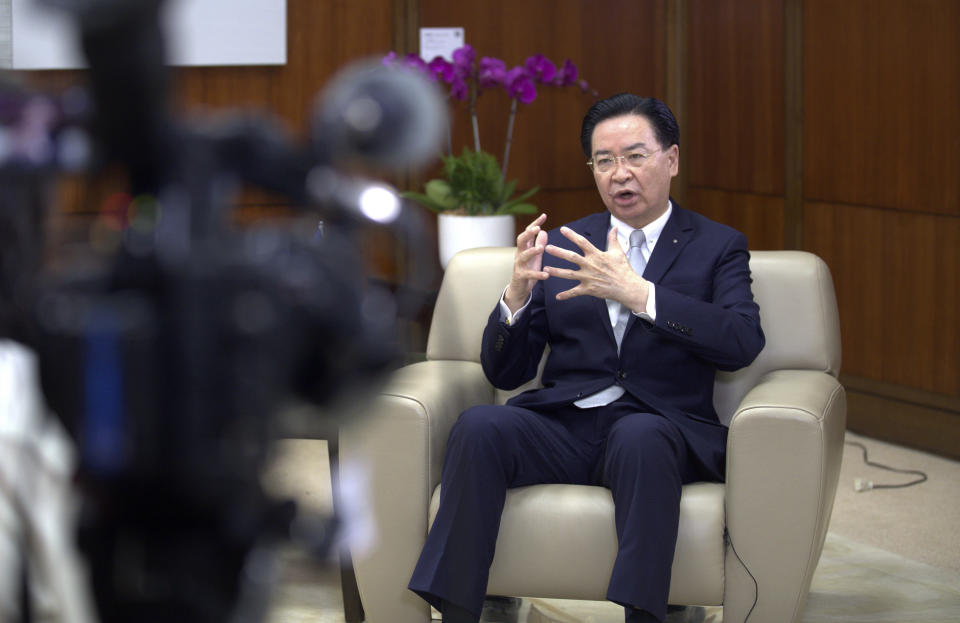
(397, 446)
(783, 462)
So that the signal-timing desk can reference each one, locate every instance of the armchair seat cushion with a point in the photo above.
(560, 541)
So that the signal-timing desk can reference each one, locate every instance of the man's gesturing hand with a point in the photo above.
(527, 264)
(604, 274)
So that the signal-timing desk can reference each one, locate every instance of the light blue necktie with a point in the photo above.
(637, 263)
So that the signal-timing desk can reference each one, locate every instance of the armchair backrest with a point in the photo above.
(473, 281)
(798, 312)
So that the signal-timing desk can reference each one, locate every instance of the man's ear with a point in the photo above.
(673, 156)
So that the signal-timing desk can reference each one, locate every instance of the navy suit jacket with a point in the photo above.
(706, 320)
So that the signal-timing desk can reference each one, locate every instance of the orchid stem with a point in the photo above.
(473, 114)
(449, 135)
(476, 132)
(506, 150)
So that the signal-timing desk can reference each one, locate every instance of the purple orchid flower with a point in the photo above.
(540, 67)
(567, 76)
(459, 88)
(463, 57)
(586, 88)
(492, 72)
(413, 61)
(520, 85)
(442, 69)
(468, 80)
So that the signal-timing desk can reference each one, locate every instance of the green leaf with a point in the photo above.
(441, 193)
(527, 194)
(474, 184)
(511, 207)
(424, 200)
(519, 208)
(508, 189)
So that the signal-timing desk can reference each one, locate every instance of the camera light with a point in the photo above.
(380, 204)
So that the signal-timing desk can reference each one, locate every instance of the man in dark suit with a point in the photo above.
(637, 324)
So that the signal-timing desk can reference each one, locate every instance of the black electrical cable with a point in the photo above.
(26, 603)
(756, 586)
(923, 476)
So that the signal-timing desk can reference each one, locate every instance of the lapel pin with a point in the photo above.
(674, 241)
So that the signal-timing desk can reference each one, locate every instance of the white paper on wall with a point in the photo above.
(440, 42)
(198, 32)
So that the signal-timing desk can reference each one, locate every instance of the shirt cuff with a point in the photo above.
(505, 316)
(650, 313)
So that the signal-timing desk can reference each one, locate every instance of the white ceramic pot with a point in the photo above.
(457, 232)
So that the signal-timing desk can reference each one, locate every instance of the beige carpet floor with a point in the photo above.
(891, 555)
(921, 522)
(854, 583)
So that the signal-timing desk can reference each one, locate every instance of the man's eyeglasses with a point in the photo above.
(634, 160)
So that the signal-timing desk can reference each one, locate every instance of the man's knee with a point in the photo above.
(643, 433)
(481, 423)
(644, 447)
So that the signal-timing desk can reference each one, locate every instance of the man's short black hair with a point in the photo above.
(653, 110)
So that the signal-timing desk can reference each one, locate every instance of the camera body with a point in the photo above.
(170, 378)
(169, 360)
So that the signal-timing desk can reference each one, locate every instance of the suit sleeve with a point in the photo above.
(724, 330)
(510, 355)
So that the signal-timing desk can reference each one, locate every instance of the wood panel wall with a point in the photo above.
(323, 36)
(881, 181)
(831, 127)
(735, 124)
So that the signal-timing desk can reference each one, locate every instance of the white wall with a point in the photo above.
(199, 32)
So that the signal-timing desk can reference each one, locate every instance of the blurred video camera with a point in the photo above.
(167, 359)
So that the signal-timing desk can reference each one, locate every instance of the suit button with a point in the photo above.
(621, 374)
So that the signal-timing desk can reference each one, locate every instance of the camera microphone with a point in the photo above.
(387, 117)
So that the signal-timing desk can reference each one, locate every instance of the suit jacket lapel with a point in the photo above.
(676, 234)
(596, 228)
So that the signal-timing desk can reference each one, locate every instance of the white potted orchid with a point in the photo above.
(474, 201)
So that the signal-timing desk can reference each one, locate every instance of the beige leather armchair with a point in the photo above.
(786, 414)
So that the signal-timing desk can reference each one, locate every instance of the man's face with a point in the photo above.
(636, 188)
